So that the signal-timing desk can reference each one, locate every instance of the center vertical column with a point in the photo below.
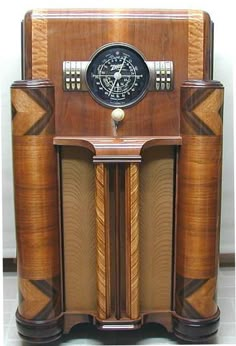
(117, 218)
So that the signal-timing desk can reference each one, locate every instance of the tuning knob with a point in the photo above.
(117, 114)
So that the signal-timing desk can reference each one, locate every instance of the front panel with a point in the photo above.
(53, 37)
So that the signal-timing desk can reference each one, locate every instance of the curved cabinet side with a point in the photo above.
(198, 214)
(36, 209)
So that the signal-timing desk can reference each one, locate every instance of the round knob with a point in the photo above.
(118, 114)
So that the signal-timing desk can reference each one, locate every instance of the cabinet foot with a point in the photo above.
(39, 332)
(195, 331)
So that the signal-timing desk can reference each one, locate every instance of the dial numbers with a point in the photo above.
(117, 76)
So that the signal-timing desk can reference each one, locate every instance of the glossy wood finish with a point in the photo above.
(140, 217)
(103, 242)
(132, 241)
(199, 199)
(36, 202)
(187, 40)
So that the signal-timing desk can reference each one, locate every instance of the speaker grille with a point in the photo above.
(79, 229)
(156, 223)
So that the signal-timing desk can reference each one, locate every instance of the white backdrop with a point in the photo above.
(12, 12)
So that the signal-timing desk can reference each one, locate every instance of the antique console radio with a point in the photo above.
(117, 142)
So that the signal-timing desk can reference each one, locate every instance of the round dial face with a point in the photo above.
(117, 76)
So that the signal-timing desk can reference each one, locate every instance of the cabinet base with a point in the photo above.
(39, 332)
(195, 331)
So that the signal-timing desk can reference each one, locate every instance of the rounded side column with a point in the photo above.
(196, 314)
(38, 316)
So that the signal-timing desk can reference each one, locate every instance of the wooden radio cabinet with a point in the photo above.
(117, 143)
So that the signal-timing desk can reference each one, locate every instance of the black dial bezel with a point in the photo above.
(138, 55)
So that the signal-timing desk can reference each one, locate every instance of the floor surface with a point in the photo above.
(149, 335)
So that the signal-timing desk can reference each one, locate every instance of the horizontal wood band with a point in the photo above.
(197, 252)
(199, 206)
(36, 207)
(226, 260)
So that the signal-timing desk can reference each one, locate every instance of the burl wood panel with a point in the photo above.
(36, 200)
(132, 240)
(50, 37)
(199, 196)
(156, 228)
(103, 242)
(79, 229)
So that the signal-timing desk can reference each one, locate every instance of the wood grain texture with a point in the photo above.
(179, 35)
(196, 298)
(195, 45)
(199, 195)
(36, 200)
(33, 108)
(39, 46)
(103, 243)
(132, 241)
(39, 300)
(202, 108)
(199, 206)
(79, 229)
(156, 218)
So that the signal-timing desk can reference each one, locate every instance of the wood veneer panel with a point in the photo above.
(36, 200)
(103, 241)
(156, 219)
(199, 190)
(36, 207)
(79, 229)
(132, 241)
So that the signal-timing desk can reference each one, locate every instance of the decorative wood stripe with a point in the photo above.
(226, 260)
(132, 240)
(103, 243)
(39, 299)
(202, 111)
(33, 111)
(39, 45)
(196, 297)
(195, 45)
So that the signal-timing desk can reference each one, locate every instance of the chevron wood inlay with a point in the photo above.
(202, 111)
(39, 299)
(208, 111)
(103, 243)
(33, 112)
(196, 297)
(132, 240)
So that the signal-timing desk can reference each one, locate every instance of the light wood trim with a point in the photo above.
(132, 240)
(39, 46)
(103, 242)
(195, 44)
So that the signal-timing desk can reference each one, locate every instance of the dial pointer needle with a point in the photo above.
(117, 76)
